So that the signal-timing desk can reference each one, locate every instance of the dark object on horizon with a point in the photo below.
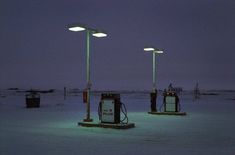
(32, 100)
(196, 92)
(209, 94)
(153, 100)
(231, 98)
(40, 91)
(65, 93)
(2, 96)
(13, 89)
(74, 91)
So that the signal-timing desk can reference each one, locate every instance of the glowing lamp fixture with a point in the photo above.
(76, 29)
(152, 49)
(149, 49)
(99, 34)
(159, 52)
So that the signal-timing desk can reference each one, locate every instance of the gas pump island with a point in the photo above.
(110, 105)
(171, 104)
(171, 99)
(112, 113)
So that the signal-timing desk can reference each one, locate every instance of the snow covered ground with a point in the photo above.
(208, 128)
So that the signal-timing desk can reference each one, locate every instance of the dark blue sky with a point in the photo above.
(198, 38)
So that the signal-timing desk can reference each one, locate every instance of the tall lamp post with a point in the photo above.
(77, 27)
(153, 95)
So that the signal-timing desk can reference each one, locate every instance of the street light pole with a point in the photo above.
(88, 87)
(153, 94)
(154, 72)
(76, 27)
(155, 52)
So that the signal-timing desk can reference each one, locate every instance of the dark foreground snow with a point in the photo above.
(209, 127)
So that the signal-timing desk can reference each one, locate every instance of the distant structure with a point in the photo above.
(196, 92)
(170, 87)
(177, 90)
(65, 93)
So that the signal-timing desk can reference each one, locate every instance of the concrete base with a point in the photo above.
(107, 125)
(168, 113)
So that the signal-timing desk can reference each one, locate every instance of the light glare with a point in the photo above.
(159, 52)
(99, 34)
(77, 28)
(149, 49)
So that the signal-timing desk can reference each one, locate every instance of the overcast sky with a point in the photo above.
(198, 38)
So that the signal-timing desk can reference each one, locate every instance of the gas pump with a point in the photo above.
(110, 108)
(171, 102)
(112, 113)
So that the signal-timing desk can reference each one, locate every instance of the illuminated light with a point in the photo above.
(149, 49)
(153, 50)
(77, 28)
(159, 52)
(99, 34)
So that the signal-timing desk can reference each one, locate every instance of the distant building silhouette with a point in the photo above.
(177, 90)
(196, 92)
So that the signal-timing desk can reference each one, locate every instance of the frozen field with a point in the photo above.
(208, 128)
